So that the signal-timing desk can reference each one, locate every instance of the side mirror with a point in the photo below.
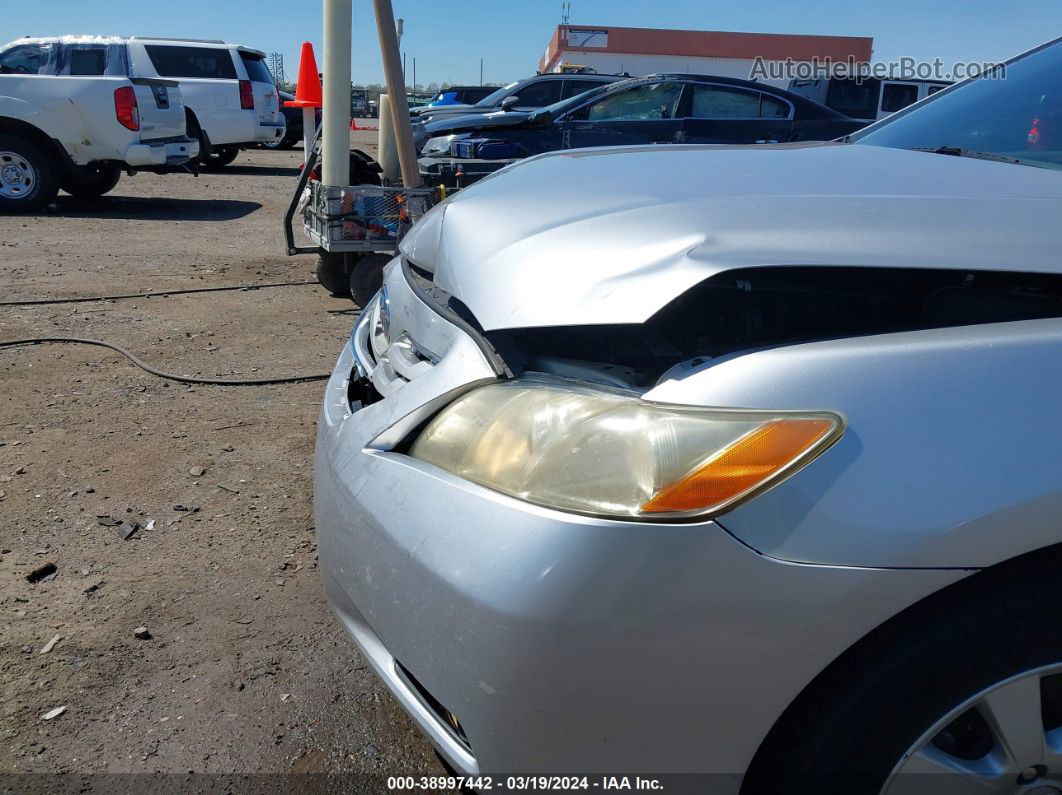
(509, 101)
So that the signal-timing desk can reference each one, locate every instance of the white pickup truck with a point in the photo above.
(71, 117)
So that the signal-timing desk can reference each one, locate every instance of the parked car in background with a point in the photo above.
(359, 103)
(417, 99)
(228, 90)
(73, 117)
(748, 455)
(293, 120)
(867, 99)
(658, 109)
(520, 96)
(460, 95)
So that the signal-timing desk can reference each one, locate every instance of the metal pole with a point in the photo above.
(396, 91)
(481, 71)
(335, 144)
(309, 131)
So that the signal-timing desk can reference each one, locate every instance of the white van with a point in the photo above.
(229, 92)
(869, 98)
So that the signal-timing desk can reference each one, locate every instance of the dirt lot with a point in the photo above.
(245, 670)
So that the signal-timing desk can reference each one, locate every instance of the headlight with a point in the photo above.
(602, 453)
(438, 147)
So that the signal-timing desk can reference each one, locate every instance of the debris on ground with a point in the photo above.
(47, 647)
(127, 529)
(188, 582)
(141, 633)
(43, 572)
(53, 713)
(197, 472)
(108, 521)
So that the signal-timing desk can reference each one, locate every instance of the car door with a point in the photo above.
(26, 59)
(647, 113)
(723, 114)
(210, 87)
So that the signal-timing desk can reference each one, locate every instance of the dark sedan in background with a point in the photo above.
(293, 118)
(658, 109)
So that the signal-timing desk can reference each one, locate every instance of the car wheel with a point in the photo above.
(366, 277)
(220, 157)
(333, 272)
(91, 182)
(284, 144)
(28, 182)
(962, 693)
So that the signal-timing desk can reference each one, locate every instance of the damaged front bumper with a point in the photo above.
(525, 639)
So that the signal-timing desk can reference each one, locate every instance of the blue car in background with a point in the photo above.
(460, 95)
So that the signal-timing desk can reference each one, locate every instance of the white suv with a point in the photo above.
(72, 117)
(228, 91)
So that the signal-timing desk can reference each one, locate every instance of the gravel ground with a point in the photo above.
(245, 670)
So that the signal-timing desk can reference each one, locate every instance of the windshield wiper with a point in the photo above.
(958, 151)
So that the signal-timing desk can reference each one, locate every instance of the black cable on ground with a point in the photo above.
(184, 291)
(185, 379)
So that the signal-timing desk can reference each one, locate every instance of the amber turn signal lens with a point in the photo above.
(745, 465)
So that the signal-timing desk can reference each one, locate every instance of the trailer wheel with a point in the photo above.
(333, 272)
(91, 182)
(366, 277)
(28, 182)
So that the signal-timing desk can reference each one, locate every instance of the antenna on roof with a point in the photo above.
(566, 13)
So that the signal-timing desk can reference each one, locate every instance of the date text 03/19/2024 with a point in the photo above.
(539, 783)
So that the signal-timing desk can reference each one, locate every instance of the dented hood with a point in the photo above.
(613, 235)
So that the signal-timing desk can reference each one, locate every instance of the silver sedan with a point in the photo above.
(740, 461)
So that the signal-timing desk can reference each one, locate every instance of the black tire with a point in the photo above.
(284, 144)
(220, 157)
(333, 272)
(850, 728)
(28, 178)
(91, 182)
(366, 277)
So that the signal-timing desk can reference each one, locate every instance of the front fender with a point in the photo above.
(952, 456)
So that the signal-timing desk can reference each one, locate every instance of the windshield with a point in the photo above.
(495, 97)
(558, 108)
(1017, 117)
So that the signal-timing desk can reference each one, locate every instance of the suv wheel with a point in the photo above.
(28, 181)
(221, 157)
(91, 182)
(284, 143)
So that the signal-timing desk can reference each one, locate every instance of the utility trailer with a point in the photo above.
(355, 230)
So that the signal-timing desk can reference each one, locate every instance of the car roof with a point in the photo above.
(219, 43)
(604, 78)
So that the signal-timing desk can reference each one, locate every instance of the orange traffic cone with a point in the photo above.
(354, 126)
(308, 89)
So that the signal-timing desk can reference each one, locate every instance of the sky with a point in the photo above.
(448, 39)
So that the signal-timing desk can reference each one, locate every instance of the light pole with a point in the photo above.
(335, 147)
